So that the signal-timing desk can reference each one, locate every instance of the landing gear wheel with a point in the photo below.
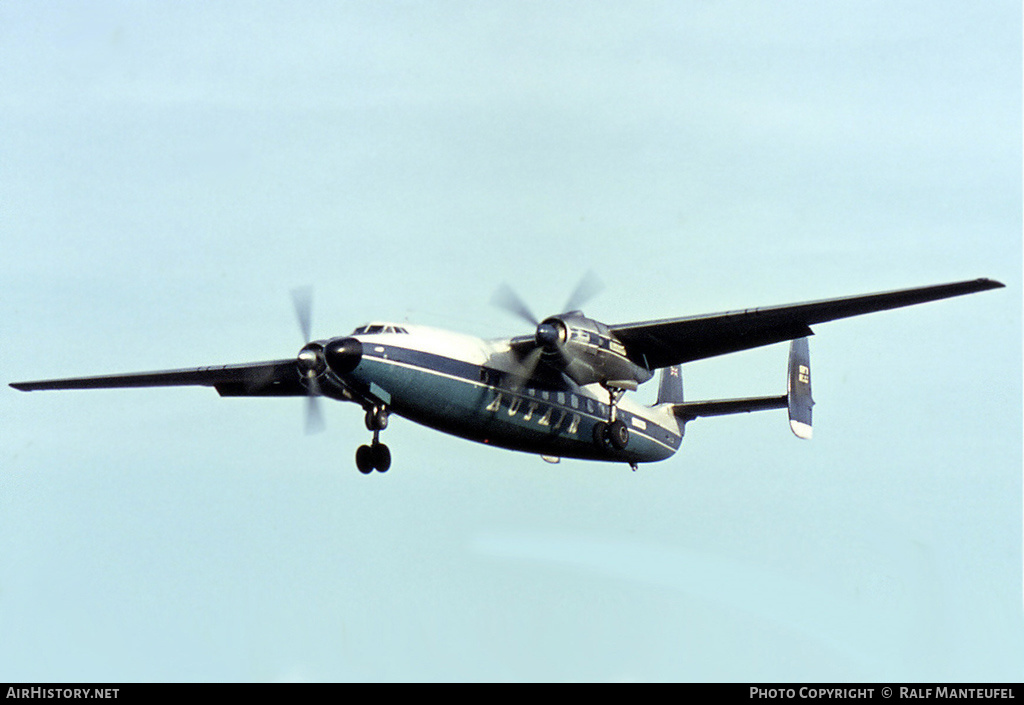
(381, 457)
(364, 459)
(618, 435)
(373, 457)
(601, 436)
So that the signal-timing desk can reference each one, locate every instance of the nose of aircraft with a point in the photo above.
(343, 354)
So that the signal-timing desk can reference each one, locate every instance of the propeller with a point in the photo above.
(310, 362)
(506, 298)
(589, 286)
(547, 335)
(302, 299)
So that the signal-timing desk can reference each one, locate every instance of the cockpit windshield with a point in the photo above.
(376, 328)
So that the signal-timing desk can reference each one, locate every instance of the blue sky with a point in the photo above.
(170, 171)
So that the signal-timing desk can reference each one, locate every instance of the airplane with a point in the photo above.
(558, 393)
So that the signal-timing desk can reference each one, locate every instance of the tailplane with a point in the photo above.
(797, 398)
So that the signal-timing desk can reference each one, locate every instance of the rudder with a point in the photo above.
(799, 388)
(670, 386)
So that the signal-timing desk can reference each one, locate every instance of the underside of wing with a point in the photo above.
(673, 341)
(274, 378)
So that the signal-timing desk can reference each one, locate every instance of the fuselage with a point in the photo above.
(465, 386)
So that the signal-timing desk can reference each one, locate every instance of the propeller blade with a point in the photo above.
(314, 416)
(587, 288)
(527, 366)
(302, 299)
(507, 299)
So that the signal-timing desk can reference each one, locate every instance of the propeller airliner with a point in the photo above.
(560, 392)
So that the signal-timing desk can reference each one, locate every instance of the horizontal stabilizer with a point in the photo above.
(688, 411)
(797, 398)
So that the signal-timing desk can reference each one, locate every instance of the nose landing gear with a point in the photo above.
(375, 456)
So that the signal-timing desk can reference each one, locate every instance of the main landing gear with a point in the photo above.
(613, 434)
(375, 456)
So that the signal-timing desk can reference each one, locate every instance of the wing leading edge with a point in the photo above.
(273, 378)
(673, 341)
(652, 344)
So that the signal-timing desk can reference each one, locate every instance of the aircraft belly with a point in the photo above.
(453, 401)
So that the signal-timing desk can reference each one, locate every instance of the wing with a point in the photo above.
(654, 344)
(274, 378)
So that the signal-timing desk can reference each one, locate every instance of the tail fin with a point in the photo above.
(670, 386)
(799, 388)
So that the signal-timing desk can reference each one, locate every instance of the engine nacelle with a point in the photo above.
(587, 352)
